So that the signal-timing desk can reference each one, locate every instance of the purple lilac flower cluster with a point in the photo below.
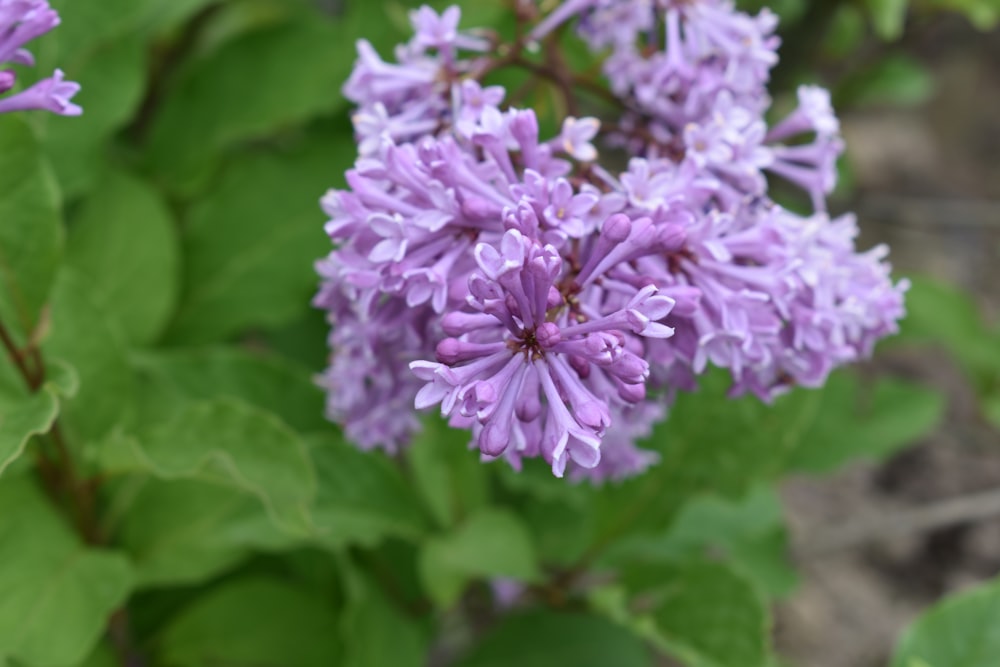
(20, 22)
(551, 306)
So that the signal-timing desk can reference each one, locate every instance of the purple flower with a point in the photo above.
(552, 307)
(20, 22)
(535, 369)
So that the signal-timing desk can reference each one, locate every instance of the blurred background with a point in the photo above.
(876, 543)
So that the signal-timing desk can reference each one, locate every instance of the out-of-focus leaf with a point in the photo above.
(168, 379)
(83, 335)
(183, 531)
(125, 243)
(888, 17)
(253, 85)
(260, 622)
(984, 14)
(112, 79)
(490, 543)
(361, 496)
(31, 236)
(748, 534)
(450, 478)
(702, 612)
(847, 29)
(227, 442)
(102, 656)
(49, 580)
(938, 313)
(369, 619)
(962, 631)
(250, 246)
(545, 639)
(896, 79)
(850, 420)
(709, 444)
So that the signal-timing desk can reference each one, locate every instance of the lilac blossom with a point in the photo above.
(20, 22)
(553, 307)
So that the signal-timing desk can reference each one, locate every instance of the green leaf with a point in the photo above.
(490, 543)
(83, 336)
(168, 379)
(31, 234)
(943, 314)
(252, 86)
(260, 622)
(447, 474)
(962, 631)
(49, 580)
(545, 639)
(888, 17)
(184, 532)
(851, 421)
(227, 442)
(709, 444)
(748, 534)
(702, 612)
(361, 496)
(250, 246)
(369, 619)
(112, 80)
(124, 242)
(103, 656)
(896, 79)
(24, 414)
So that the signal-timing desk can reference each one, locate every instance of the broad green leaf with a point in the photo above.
(962, 631)
(183, 531)
(252, 86)
(227, 442)
(112, 79)
(709, 444)
(854, 421)
(49, 581)
(31, 235)
(701, 612)
(250, 246)
(170, 378)
(24, 414)
(260, 622)
(125, 243)
(748, 534)
(83, 336)
(368, 620)
(361, 496)
(546, 639)
(490, 543)
(447, 474)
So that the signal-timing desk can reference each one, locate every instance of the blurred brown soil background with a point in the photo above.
(928, 184)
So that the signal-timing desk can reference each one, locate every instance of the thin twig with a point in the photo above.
(17, 356)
